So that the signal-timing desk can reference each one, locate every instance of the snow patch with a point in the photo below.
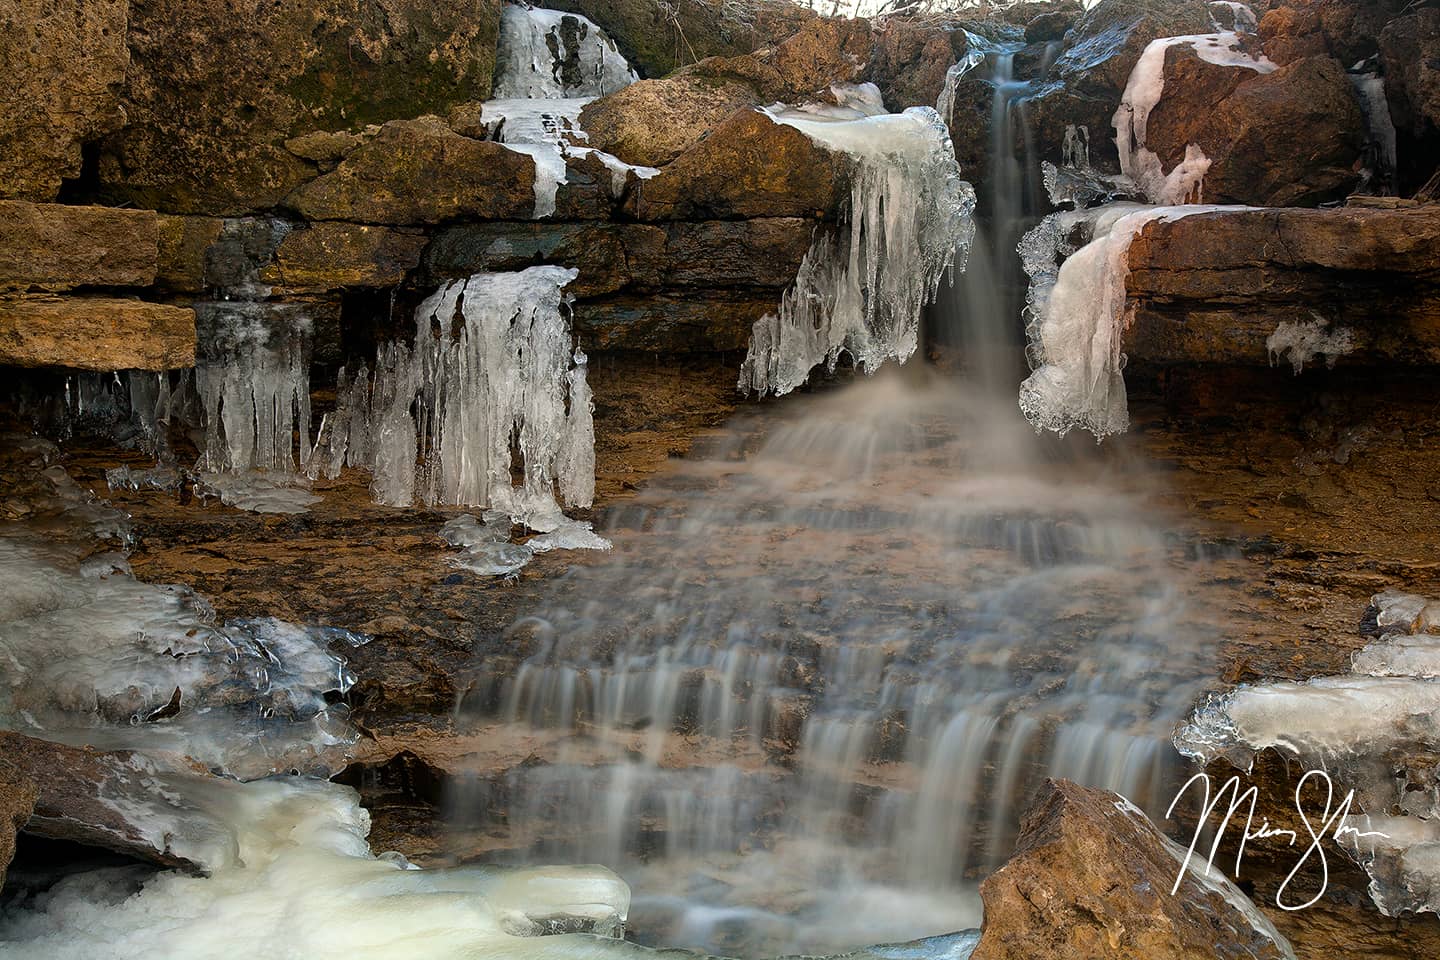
(1302, 342)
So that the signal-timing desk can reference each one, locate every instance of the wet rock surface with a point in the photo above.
(1091, 877)
(17, 802)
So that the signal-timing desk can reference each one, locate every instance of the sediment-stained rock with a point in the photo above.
(330, 256)
(420, 171)
(749, 166)
(17, 802)
(64, 65)
(1091, 877)
(95, 333)
(1213, 288)
(53, 246)
(216, 87)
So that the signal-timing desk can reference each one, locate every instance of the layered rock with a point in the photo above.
(214, 89)
(1091, 877)
(1216, 287)
(95, 333)
(65, 64)
(56, 247)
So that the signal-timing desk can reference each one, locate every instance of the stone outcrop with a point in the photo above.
(332, 256)
(116, 800)
(95, 333)
(421, 172)
(1246, 123)
(749, 166)
(1344, 29)
(64, 66)
(910, 59)
(1212, 288)
(53, 247)
(215, 87)
(1091, 877)
(17, 802)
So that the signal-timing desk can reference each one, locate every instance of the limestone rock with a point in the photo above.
(749, 166)
(329, 256)
(1212, 288)
(95, 333)
(665, 323)
(17, 801)
(659, 37)
(1245, 122)
(216, 87)
(421, 171)
(183, 245)
(1091, 877)
(116, 800)
(64, 65)
(53, 246)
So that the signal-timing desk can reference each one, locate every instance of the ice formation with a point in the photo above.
(300, 868)
(547, 54)
(1300, 342)
(1233, 16)
(974, 56)
(1183, 184)
(486, 548)
(1075, 315)
(1381, 155)
(860, 288)
(492, 368)
(1075, 183)
(1375, 729)
(95, 656)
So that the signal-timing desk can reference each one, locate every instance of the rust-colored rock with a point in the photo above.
(909, 61)
(1347, 30)
(183, 244)
(95, 333)
(1091, 878)
(1211, 288)
(53, 246)
(1245, 122)
(421, 171)
(216, 87)
(64, 65)
(17, 802)
(329, 256)
(749, 166)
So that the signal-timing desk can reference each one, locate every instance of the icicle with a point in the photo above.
(974, 56)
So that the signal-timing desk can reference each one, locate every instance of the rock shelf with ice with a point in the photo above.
(861, 287)
(1375, 729)
(1075, 315)
(1143, 91)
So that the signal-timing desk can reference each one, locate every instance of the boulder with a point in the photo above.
(117, 800)
(329, 256)
(1213, 288)
(64, 66)
(17, 802)
(1091, 877)
(653, 122)
(216, 87)
(658, 37)
(95, 333)
(909, 60)
(52, 246)
(1245, 122)
(749, 166)
(421, 171)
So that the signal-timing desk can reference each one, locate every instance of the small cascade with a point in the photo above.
(861, 288)
(1381, 157)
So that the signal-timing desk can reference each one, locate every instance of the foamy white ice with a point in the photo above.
(1300, 342)
(548, 54)
(861, 287)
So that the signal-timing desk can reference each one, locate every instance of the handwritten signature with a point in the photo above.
(1330, 825)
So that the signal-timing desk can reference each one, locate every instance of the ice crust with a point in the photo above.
(1373, 729)
(548, 54)
(1185, 183)
(1301, 342)
(861, 287)
(486, 548)
(1075, 315)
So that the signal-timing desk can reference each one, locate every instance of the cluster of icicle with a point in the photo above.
(492, 368)
(1184, 183)
(861, 287)
(1375, 729)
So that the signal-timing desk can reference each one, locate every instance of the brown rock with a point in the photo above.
(216, 87)
(1091, 878)
(1245, 122)
(17, 801)
(64, 64)
(421, 171)
(1211, 288)
(1410, 58)
(183, 244)
(720, 254)
(662, 323)
(749, 166)
(909, 61)
(657, 38)
(116, 800)
(52, 246)
(329, 256)
(1347, 30)
(95, 333)
(325, 147)
(597, 250)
